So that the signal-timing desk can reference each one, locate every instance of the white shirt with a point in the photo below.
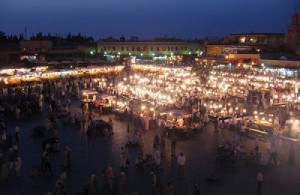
(260, 177)
(17, 129)
(181, 160)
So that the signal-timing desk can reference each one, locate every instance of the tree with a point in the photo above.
(90, 39)
(69, 37)
(21, 37)
(2, 37)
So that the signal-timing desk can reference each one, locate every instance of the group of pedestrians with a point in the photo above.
(10, 160)
(56, 97)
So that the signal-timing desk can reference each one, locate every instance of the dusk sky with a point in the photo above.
(186, 19)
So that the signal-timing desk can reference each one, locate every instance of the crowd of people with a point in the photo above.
(55, 99)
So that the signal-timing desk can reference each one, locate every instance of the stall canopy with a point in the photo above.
(107, 96)
(88, 92)
(179, 113)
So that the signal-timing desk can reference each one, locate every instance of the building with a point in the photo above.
(246, 43)
(245, 48)
(292, 36)
(157, 47)
(43, 50)
(33, 50)
(222, 50)
(267, 41)
(232, 54)
(29, 46)
(9, 52)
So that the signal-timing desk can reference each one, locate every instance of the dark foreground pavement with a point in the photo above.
(200, 151)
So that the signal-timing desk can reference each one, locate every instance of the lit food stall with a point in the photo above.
(43, 72)
(31, 77)
(40, 68)
(291, 131)
(89, 96)
(49, 74)
(121, 108)
(262, 125)
(177, 120)
(10, 71)
(225, 111)
(107, 102)
(9, 80)
(237, 92)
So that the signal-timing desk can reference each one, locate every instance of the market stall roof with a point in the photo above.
(96, 61)
(92, 66)
(89, 92)
(106, 95)
(79, 62)
(66, 62)
(282, 66)
(53, 62)
(179, 113)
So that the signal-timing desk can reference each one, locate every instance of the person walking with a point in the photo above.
(47, 166)
(292, 154)
(93, 185)
(163, 146)
(110, 122)
(181, 163)
(195, 189)
(4, 172)
(17, 129)
(170, 189)
(123, 157)
(66, 157)
(89, 137)
(153, 183)
(18, 164)
(17, 112)
(11, 157)
(156, 157)
(109, 172)
(206, 119)
(128, 132)
(173, 144)
(122, 183)
(217, 124)
(259, 181)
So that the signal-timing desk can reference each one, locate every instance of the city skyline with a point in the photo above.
(147, 20)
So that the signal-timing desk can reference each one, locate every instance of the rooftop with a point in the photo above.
(252, 33)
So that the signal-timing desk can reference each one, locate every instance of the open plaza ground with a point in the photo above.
(218, 156)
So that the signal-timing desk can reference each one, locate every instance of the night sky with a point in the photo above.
(186, 19)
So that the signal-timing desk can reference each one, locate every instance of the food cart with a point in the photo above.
(255, 127)
(121, 108)
(238, 94)
(225, 111)
(291, 131)
(89, 95)
(177, 121)
(90, 98)
(107, 102)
